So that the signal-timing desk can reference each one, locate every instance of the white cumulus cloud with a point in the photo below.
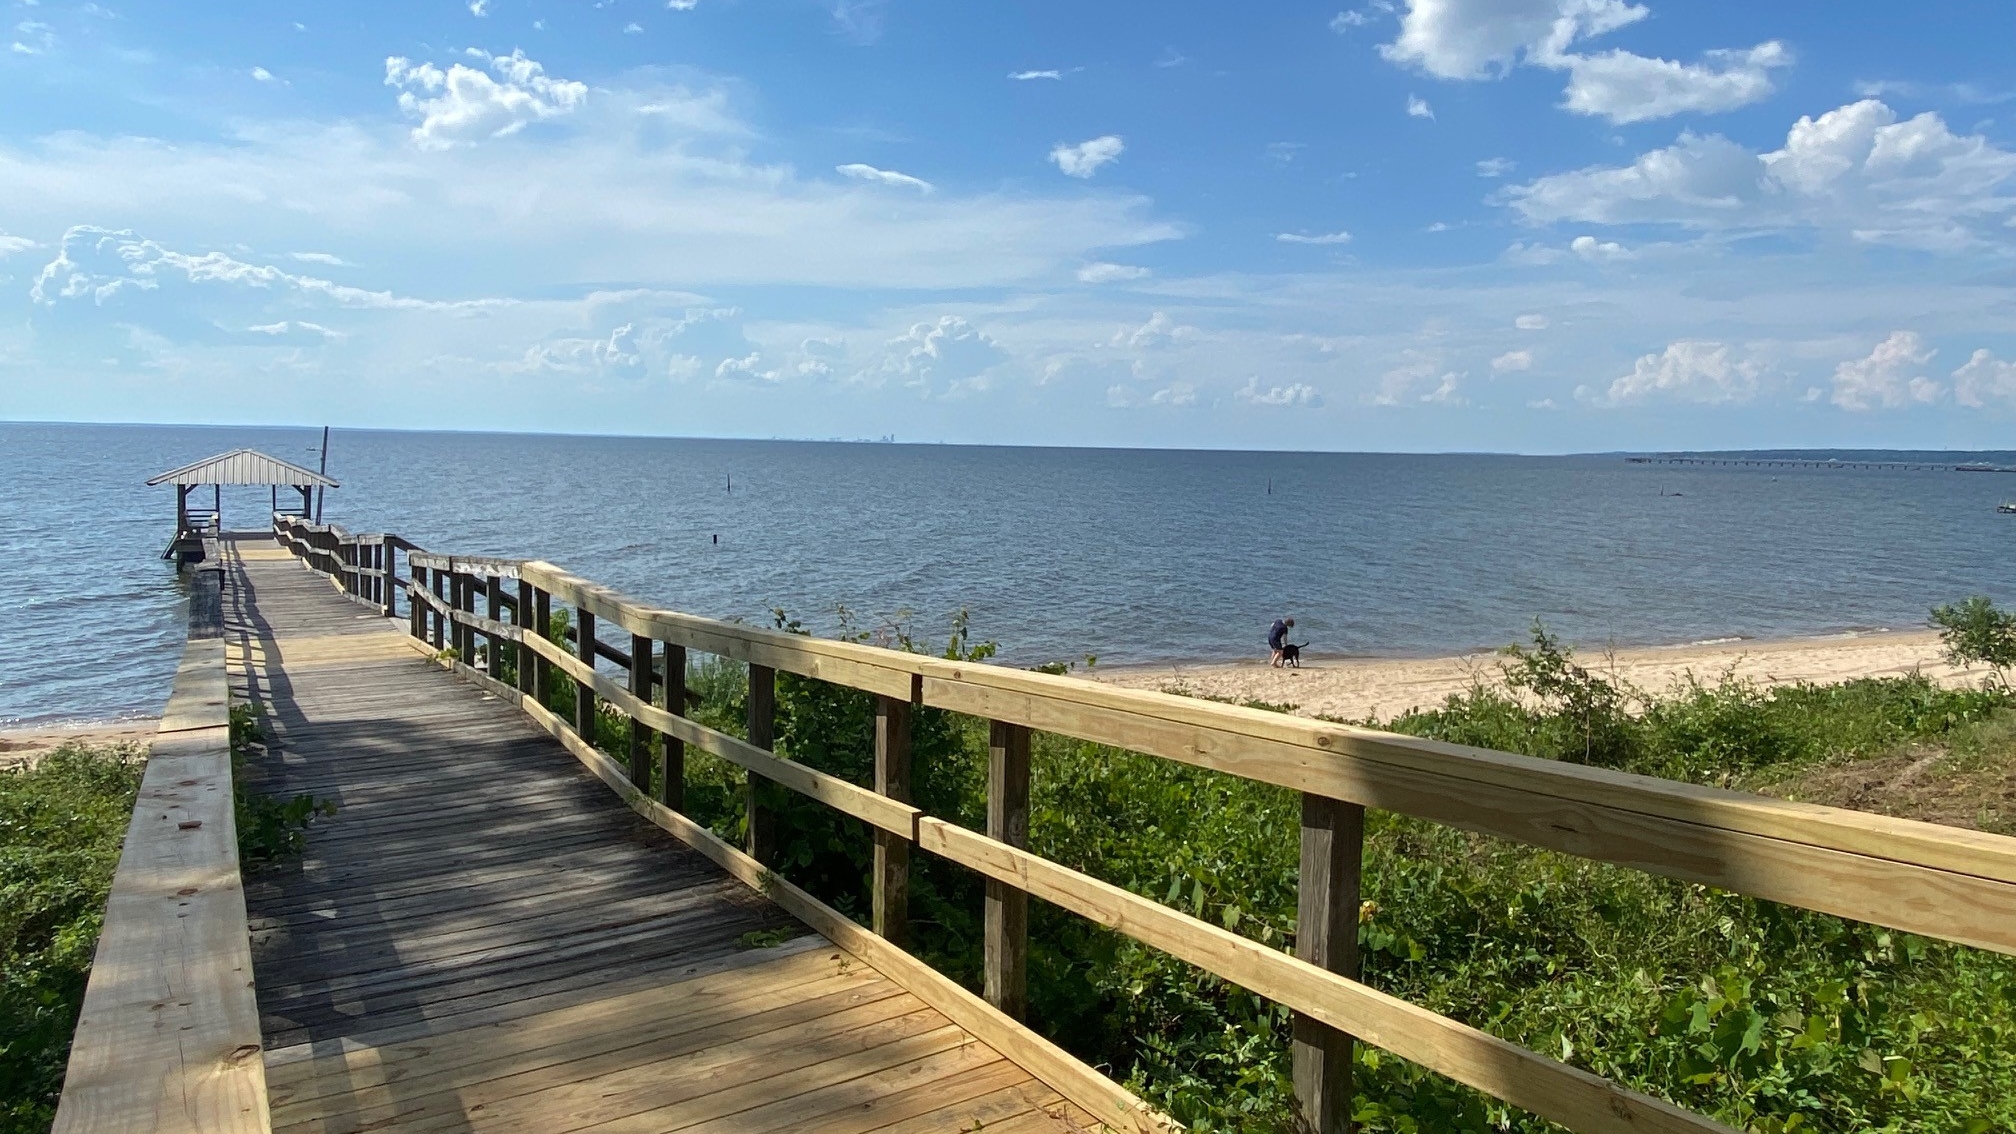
(862, 172)
(1297, 395)
(1486, 39)
(1892, 376)
(1531, 322)
(1855, 170)
(462, 104)
(1513, 360)
(261, 74)
(1706, 373)
(1590, 248)
(1419, 108)
(1622, 87)
(942, 357)
(1983, 380)
(1085, 158)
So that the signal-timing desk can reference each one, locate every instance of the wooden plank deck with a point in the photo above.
(483, 938)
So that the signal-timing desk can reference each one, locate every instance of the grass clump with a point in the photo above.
(62, 823)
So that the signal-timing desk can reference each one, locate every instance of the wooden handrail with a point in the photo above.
(1923, 878)
(168, 1036)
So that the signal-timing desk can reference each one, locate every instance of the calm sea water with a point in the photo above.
(1127, 554)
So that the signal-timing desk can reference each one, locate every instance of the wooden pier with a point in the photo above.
(505, 927)
(1739, 461)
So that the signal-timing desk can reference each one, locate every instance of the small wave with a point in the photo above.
(1718, 641)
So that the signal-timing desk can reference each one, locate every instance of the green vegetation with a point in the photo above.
(1771, 1019)
(61, 826)
(1976, 633)
(271, 830)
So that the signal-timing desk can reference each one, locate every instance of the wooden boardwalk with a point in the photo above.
(484, 938)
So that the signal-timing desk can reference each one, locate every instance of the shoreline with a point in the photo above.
(1357, 688)
(23, 747)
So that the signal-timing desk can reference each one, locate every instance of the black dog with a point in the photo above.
(1291, 654)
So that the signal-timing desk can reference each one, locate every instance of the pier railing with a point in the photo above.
(475, 613)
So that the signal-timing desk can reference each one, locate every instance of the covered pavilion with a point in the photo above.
(237, 467)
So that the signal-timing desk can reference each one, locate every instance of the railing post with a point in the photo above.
(762, 822)
(641, 649)
(892, 851)
(672, 750)
(522, 618)
(467, 648)
(493, 605)
(584, 693)
(1006, 954)
(415, 609)
(1326, 935)
(542, 670)
(434, 580)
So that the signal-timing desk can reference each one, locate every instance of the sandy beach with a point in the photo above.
(1356, 688)
(25, 746)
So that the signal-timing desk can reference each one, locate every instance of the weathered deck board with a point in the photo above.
(483, 938)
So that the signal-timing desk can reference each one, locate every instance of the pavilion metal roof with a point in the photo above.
(244, 466)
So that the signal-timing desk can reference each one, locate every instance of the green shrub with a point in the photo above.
(1975, 631)
(61, 827)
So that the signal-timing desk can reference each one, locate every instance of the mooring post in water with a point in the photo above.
(1326, 935)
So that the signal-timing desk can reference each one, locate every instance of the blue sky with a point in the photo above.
(1529, 225)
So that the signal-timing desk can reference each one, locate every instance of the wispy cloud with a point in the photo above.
(861, 172)
(1313, 238)
(1025, 76)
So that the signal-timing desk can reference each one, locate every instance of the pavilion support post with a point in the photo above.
(1326, 935)
(182, 508)
(641, 649)
(584, 694)
(760, 820)
(891, 892)
(672, 750)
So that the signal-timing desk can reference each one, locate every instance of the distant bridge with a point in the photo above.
(1832, 463)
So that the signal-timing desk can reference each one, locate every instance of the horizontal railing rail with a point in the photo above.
(1942, 882)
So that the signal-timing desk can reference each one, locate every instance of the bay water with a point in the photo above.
(1128, 555)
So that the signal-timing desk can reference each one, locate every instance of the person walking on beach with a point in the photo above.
(1277, 639)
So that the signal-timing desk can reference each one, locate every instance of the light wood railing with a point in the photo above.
(167, 1039)
(1942, 882)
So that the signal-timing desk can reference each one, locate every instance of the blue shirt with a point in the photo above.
(1277, 634)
